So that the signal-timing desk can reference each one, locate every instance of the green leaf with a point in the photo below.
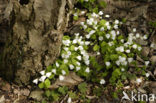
(103, 22)
(76, 18)
(49, 68)
(72, 95)
(63, 90)
(96, 47)
(116, 73)
(48, 93)
(114, 57)
(82, 87)
(72, 47)
(103, 4)
(47, 83)
(41, 85)
(55, 95)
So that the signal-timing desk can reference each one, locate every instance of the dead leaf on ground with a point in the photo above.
(153, 59)
(2, 99)
(37, 95)
(70, 80)
(145, 51)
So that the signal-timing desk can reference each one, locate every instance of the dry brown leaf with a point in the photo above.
(145, 51)
(153, 59)
(70, 80)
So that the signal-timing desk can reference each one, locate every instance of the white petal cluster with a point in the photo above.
(102, 81)
(121, 61)
(61, 77)
(121, 49)
(66, 42)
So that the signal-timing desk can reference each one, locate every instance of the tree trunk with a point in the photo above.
(35, 34)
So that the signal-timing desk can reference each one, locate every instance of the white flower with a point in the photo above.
(122, 40)
(124, 63)
(78, 63)
(69, 53)
(82, 12)
(71, 66)
(77, 68)
(147, 63)
(98, 53)
(95, 23)
(90, 21)
(139, 80)
(102, 29)
(57, 64)
(87, 70)
(88, 36)
(108, 27)
(86, 0)
(66, 49)
(134, 29)
(107, 64)
(107, 23)
(121, 49)
(115, 26)
(152, 45)
(61, 77)
(130, 60)
(102, 81)
(74, 41)
(48, 74)
(66, 42)
(100, 38)
(69, 100)
(122, 59)
(65, 61)
(76, 48)
(87, 62)
(42, 78)
(94, 15)
(53, 71)
(63, 55)
(63, 72)
(92, 32)
(100, 13)
(82, 23)
(134, 46)
(128, 51)
(80, 48)
(42, 72)
(35, 81)
(139, 48)
(75, 14)
(79, 57)
(110, 43)
(87, 42)
(137, 35)
(145, 37)
(116, 21)
(117, 32)
(107, 16)
(84, 26)
(147, 74)
(117, 62)
(83, 52)
(107, 36)
(122, 69)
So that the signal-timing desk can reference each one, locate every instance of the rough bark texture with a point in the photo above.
(35, 34)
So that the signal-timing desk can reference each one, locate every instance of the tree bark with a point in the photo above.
(35, 35)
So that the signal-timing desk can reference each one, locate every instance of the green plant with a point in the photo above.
(101, 52)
